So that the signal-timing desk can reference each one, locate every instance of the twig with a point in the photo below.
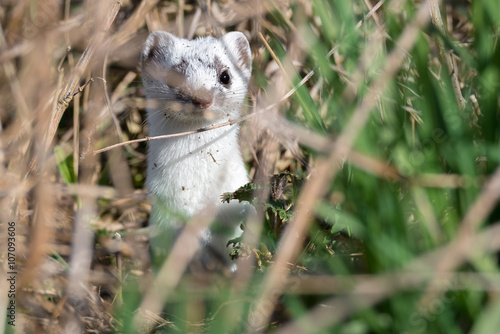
(82, 87)
(212, 127)
(76, 101)
(230, 122)
(446, 56)
(68, 50)
(67, 94)
(107, 100)
(370, 13)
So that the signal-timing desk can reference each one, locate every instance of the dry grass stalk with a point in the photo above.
(22, 139)
(446, 56)
(404, 280)
(67, 93)
(479, 211)
(173, 268)
(375, 289)
(326, 171)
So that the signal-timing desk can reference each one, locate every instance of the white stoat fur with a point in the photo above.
(187, 87)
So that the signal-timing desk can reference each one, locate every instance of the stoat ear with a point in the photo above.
(156, 47)
(239, 49)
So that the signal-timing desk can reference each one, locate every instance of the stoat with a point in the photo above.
(191, 84)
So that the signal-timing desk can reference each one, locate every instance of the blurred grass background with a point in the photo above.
(377, 179)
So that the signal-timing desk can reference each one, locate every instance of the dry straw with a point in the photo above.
(51, 64)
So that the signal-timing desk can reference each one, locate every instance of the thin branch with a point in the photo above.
(212, 127)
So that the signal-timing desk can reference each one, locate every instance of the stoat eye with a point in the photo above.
(224, 78)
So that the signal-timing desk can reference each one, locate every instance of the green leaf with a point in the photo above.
(64, 160)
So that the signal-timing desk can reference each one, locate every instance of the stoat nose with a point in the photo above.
(202, 102)
(202, 98)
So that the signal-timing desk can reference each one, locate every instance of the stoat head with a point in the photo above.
(193, 81)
